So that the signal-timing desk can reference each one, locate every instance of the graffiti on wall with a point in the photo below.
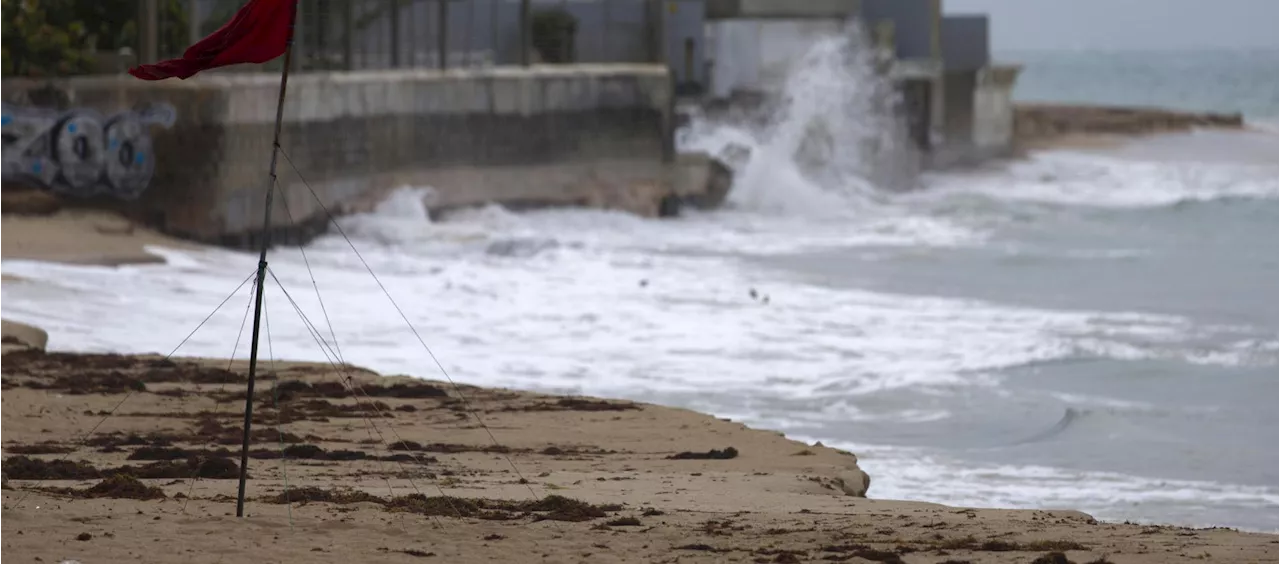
(80, 153)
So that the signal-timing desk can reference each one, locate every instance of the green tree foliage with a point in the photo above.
(58, 37)
(553, 35)
(113, 24)
(34, 46)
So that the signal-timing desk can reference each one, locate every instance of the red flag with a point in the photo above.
(259, 32)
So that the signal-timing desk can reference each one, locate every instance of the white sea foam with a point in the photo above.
(916, 474)
(587, 315)
(1098, 180)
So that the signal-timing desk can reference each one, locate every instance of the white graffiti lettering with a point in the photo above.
(77, 153)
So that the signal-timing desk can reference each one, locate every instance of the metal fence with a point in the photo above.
(378, 34)
(337, 35)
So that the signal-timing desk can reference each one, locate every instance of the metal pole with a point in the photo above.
(467, 30)
(193, 21)
(526, 33)
(495, 38)
(607, 19)
(442, 38)
(395, 33)
(262, 268)
(348, 33)
(150, 31)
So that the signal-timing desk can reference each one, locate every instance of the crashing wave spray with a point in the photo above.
(829, 135)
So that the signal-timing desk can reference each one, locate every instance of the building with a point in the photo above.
(957, 101)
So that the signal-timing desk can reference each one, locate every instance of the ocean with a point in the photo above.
(1087, 329)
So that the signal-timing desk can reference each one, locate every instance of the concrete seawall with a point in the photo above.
(193, 155)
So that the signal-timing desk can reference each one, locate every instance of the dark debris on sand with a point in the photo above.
(26, 468)
(116, 486)
(713, 454)
(106, 373)
(309, 494)
(553, 507)
(576, 404)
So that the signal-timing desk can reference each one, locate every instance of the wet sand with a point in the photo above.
(399, 469)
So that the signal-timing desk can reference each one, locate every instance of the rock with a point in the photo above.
(701, 181)
(644, 199)
(853, 482)
(1034, 121)
(23, 335)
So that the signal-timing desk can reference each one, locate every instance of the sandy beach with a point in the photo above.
(111, 458)
(398, 469)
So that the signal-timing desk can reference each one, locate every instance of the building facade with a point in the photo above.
(955, 100)
(957, 103)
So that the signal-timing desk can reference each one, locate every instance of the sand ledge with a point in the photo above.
(775, 501)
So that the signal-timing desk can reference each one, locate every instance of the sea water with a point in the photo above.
(1093, 330)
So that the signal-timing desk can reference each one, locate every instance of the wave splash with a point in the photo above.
(829, 139)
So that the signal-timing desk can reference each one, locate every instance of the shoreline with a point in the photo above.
(43, 227)
(670, 470)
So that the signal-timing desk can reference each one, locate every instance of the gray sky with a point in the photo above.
(1126, 24)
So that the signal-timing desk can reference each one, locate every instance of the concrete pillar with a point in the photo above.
(526, 33)
(394, 16)
(193, 21)
(937, 110)
(442, 33)
(348, 34)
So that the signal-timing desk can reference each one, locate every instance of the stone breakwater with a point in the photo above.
(1045, 122)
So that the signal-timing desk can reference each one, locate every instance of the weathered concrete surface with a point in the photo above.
(993, 109)
(701, 181)
(979, 117)
(555, 135)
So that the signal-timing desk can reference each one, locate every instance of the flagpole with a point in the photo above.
(262, 267)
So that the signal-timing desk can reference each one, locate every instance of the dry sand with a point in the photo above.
(80, 237)
(360, 497)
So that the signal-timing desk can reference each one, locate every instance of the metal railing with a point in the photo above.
(364, 34)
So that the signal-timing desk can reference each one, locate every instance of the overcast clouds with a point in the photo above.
(1126, 24)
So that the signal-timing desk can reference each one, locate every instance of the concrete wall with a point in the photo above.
(959, 103)
(993, 110)
(478, 32)
(785, 9)
(915, 25)
(965, 45)
(754, 54)
(543, 135)
(685, 43)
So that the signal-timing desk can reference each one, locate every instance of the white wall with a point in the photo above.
(993, 111)
(755, 54)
